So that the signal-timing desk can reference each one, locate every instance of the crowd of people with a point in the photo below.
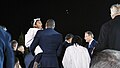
(46, 48)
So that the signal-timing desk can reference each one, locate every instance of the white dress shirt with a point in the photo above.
(90, 43)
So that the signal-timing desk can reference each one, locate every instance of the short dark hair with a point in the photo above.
(77, 39)
(50, 23)
(106, 59)
(68, 36)
(33, 22)
(90, 33)
(36, 21)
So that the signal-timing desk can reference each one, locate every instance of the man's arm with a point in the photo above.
(59, 50)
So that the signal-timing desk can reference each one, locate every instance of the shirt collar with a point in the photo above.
(91, 42)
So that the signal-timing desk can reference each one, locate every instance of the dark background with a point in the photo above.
(71, 16)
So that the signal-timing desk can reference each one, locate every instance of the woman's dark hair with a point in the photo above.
(77, 39)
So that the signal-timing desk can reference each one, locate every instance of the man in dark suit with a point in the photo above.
(66, 43)
(109, 37)
(50, 42)
(6, 52)
(89, 37)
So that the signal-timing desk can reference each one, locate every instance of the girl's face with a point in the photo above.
(38, 24)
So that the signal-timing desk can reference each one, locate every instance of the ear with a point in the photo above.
(35, 26)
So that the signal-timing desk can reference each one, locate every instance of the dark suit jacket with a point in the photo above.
(64, 46)
(50, 42)
(6, 52)
(92, 46)
(109, 37)
(20, 56)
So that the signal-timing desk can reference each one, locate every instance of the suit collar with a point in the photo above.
(49, 28)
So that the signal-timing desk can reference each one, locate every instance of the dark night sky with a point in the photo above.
(71, 16)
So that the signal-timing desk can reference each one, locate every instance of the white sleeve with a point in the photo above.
(29, 38)
(38, 50)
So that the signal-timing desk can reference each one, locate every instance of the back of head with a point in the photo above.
(14, 44)
(77, 39)
(115, 10)
(68, 36)
(50, 23)
(106, 59)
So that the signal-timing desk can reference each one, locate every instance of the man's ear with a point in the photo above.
(35, 26)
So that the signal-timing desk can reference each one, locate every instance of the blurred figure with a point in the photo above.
(89, 37)
(109, 37)
(14, 44)
(50, 42)
(17, 64)
(106, 59)
(3, 27)
(76, 56)
(21, 49)
(19, 56)
(29, 37)
(6, 52)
